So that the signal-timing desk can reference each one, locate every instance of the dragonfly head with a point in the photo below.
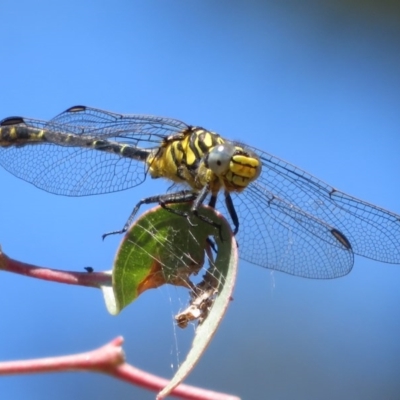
(235, 166)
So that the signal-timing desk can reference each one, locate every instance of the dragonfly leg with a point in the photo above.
(187, 196)
(232, 212)
(164, 199)
(199, 201)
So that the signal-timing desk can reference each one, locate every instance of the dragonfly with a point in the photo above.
(284, 218)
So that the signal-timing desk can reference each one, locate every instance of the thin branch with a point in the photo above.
(102, 359)
(93, 279)
(108, 359)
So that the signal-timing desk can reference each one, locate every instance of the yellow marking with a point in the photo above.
(13, 133)
(188, 153)
(250, 161)
(182, 145)
(34, 137)
(41, 134)
(243, 170)
(235, 182)
(122, 148)
(208, 140)
(190, 156)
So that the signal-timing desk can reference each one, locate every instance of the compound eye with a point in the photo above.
(219, 158)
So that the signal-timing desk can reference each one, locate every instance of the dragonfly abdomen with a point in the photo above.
(13, 132)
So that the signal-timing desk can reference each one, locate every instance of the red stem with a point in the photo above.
(108, 359)
(94, 279)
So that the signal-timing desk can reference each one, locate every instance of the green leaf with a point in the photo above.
(163, 247)
(160, 247)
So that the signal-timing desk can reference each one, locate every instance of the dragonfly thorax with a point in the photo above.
(180, 156)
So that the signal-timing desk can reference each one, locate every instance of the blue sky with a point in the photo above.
(315, 83)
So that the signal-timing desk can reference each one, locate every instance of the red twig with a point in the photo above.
(108, 359)
(102, 359)
(94, 279)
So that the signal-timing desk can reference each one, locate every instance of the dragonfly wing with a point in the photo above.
(372, 231)
(277, 235)
(72, 171)
(139, 130)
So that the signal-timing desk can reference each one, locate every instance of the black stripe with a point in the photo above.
(173, 155)
(203, 147)
(192, 145)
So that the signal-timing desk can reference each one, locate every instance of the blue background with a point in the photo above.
(315, 82)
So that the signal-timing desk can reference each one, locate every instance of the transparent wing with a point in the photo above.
(77, 171)
(277, 235)
(287, 217)
(139, 130)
